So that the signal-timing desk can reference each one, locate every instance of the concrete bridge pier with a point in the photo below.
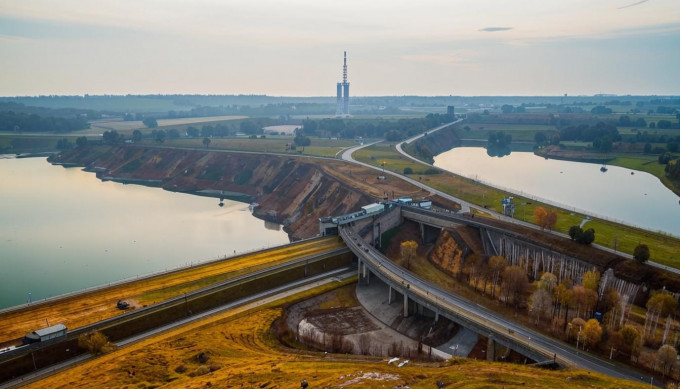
(363, 271)
(490, 349)
(422, 232)
(390, 295)
(405, 305)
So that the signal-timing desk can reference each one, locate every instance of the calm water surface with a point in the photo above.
(638, 199)
(63, 230)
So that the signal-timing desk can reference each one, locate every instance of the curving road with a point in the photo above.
(456, 306)
(465, 205)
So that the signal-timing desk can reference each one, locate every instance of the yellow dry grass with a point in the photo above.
(242, 351)
(77, 311)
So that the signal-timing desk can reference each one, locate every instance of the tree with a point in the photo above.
(544, 218)
(408, 170)
(111, 137)
(81, 141)
(159, 136)
(630, 340)
(408, 252)
(192, 132)
(550, 219)
(540, 138)
(540, 302)
(540, 214)
(496, 266)
(207, 131)
(587, 237)
(592, 331)
(548, 282)
(667, 356)
(663, 303)
(515, 283)
(95, 342)
(575, 232)
(136, 136)
(206, 142)
(591, 280)
(641, 253)
(150, 122)
(576, 326)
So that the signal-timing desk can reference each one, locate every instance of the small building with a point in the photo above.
(45, 334)
(508, 207)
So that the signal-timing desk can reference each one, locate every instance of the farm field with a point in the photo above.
(125, 126)
(322, 147)
(241, 349)
(86, 308)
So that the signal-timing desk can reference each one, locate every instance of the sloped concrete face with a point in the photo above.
(387, 306)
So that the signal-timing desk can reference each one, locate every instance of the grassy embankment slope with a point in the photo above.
(664, 249)
(86, 308)
(242, 350)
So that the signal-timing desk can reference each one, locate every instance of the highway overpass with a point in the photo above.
(418, 295)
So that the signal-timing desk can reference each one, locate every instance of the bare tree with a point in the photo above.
(496, 266)
(540, 302)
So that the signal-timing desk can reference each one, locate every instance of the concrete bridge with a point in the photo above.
(419, 296)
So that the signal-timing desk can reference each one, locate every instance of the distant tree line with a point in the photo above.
(25, 122)
(391, 130)
(602, 135)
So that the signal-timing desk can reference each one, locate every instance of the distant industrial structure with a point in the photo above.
(343, 92)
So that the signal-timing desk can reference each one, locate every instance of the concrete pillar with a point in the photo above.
(359, 274)
(389, 295)
(422, 232)
(405, 305)
(436, 315)
(367, 272)
(491, 349)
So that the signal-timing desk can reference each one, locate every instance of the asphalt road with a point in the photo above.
(467, 206)
(565, 354)
(249, 302)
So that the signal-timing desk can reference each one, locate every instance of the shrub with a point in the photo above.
(408, 170)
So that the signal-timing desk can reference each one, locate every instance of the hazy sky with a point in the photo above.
(294, 48)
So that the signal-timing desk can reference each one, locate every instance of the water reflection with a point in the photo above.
(637, 199)
(63, 230)
(272, 226)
